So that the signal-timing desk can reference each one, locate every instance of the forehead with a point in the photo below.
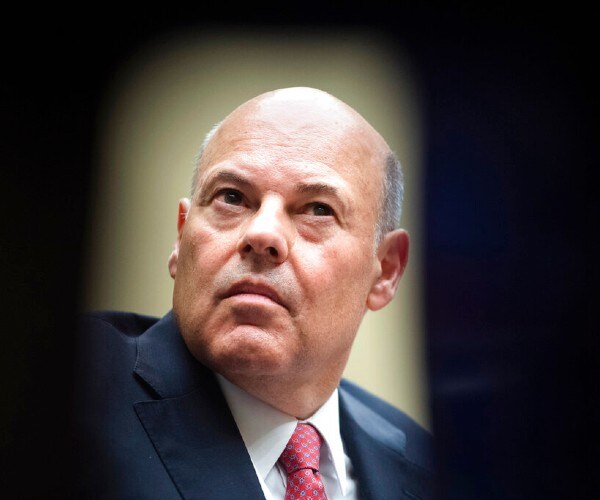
(297, 137)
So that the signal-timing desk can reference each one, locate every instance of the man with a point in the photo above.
(288, 237)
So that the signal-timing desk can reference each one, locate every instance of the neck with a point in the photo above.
(298, 400)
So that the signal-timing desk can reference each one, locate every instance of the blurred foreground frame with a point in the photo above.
(508, 256)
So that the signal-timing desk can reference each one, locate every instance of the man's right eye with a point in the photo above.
(230, 196)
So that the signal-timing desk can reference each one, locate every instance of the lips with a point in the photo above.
(254, 288)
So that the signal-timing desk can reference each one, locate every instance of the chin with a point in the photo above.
(245, 350)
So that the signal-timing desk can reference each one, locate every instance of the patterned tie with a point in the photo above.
(301, 461)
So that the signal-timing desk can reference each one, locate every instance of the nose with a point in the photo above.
(268, 233)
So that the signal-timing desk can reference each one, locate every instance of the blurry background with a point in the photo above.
(504, 153)
(154, 116)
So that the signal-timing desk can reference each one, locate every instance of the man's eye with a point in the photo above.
(320, 209)
(230, 196)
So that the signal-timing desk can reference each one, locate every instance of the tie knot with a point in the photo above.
(303, 449)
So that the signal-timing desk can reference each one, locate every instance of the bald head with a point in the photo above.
(298, 116)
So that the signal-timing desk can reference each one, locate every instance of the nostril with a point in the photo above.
(271, 250)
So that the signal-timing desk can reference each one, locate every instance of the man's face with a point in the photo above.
(275, 258)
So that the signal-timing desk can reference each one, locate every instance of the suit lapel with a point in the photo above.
(376, 449)
(190, 424)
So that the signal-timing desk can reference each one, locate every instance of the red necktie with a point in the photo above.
(301, 461)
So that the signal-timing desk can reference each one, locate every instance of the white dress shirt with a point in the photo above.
(266, 431)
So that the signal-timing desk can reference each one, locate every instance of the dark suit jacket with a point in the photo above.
(151, 422)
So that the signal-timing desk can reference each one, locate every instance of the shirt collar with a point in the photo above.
(266, 430)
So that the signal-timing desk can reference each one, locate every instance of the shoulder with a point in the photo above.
(124, 323)
(418, 443)
(383, 408)
(107, 342)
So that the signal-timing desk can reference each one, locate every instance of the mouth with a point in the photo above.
(254, 290)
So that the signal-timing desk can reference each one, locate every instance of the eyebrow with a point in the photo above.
(317, 188)
(323, 189)
(220, 176)
(224, 175)
(304, 188)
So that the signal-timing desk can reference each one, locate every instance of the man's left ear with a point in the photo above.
(184, 208)
(392, 255)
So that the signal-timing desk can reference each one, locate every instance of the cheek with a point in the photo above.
(203, 250)
(200, 258)
(336, 284)
(337, 277)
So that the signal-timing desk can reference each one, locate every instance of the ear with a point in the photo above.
(392, 255)
(184, 208)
